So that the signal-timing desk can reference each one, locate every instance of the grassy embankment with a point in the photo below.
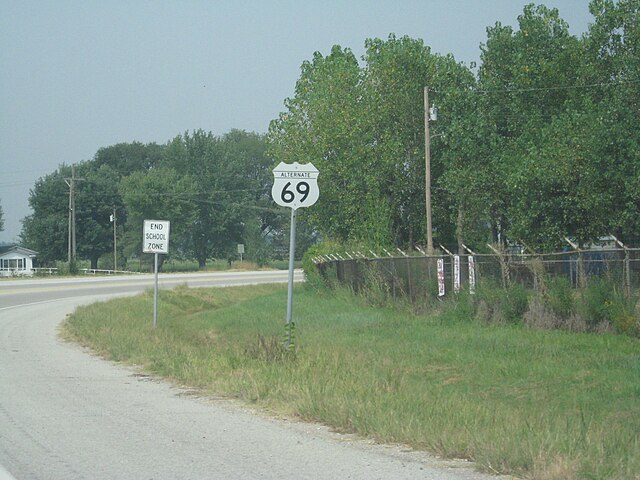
(537, 404)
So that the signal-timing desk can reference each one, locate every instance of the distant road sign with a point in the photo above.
(155, 238)
(295, 185)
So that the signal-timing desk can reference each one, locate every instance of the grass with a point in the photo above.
(536, 404)
(213, 265)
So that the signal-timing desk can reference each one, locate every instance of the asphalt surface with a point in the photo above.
(66, 414)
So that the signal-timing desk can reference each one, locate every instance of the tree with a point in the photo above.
(544, 156)
(46, 230)
(253, 168)
(97, 196)
(159, 194)
(321, 126)
(525, 73)
(126, 158)
(612, 66)
(363, 129)
(562, 186)
(220, 170)
(396, 74)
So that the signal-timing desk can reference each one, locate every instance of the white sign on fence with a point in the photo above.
(155, 237)
(472, 275)
(440, 277)
(456, 273)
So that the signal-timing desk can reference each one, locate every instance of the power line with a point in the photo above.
(560, 87)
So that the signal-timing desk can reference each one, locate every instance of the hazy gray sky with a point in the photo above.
(79, 75)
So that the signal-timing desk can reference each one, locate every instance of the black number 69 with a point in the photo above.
(288, 196)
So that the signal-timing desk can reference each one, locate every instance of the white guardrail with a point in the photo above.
(86, 271)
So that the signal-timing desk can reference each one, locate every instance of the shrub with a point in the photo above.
(559, 295)
(596, 304)
(624, 314)
(314, 275)
(68, 268)
(461, 308)
(500, 305)
(376, 288)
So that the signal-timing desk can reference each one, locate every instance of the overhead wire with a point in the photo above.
(559, 87)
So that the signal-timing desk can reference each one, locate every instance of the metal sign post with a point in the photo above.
(292, 250)
(155, 239)
(294, 186)
(155, 290)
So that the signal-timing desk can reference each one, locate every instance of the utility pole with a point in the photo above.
(69, 182)
(427, 165)
(115, 249)
(72, 212)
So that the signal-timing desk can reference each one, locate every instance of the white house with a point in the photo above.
(16, 261)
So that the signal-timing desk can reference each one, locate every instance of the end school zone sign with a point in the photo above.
(155, 237)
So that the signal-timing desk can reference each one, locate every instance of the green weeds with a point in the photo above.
(543, 404)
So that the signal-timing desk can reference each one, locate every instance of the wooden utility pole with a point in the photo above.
(427, 166)
(115, 249)
(71, 183)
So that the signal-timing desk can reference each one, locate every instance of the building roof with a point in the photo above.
(5, 249)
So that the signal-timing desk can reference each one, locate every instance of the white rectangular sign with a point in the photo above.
(456, 273)
(441, 277)
(155, 238)
(472, 275)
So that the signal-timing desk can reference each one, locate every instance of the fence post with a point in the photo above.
(504, 266)
(581, 272)
(626, 268)
(452, 260)
(471, 263)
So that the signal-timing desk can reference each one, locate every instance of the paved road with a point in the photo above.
(65, 414)
(20, 292)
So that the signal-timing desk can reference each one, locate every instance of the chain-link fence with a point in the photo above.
(422, 277)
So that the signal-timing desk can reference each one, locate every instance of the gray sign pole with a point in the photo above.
(155, 291)
(294, 186)
(292, 253)
(155, 239)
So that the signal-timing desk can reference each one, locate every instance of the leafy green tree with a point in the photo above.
(321, 126)
(126, 158)
(159, 194)
(46, 230)
(561, 187)
(397, 71)
(525, 73)
(529, 82)
(475, 198)
(228, 177)
(612, 68)
(362, 127)
(254, 169)
(97, 196)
